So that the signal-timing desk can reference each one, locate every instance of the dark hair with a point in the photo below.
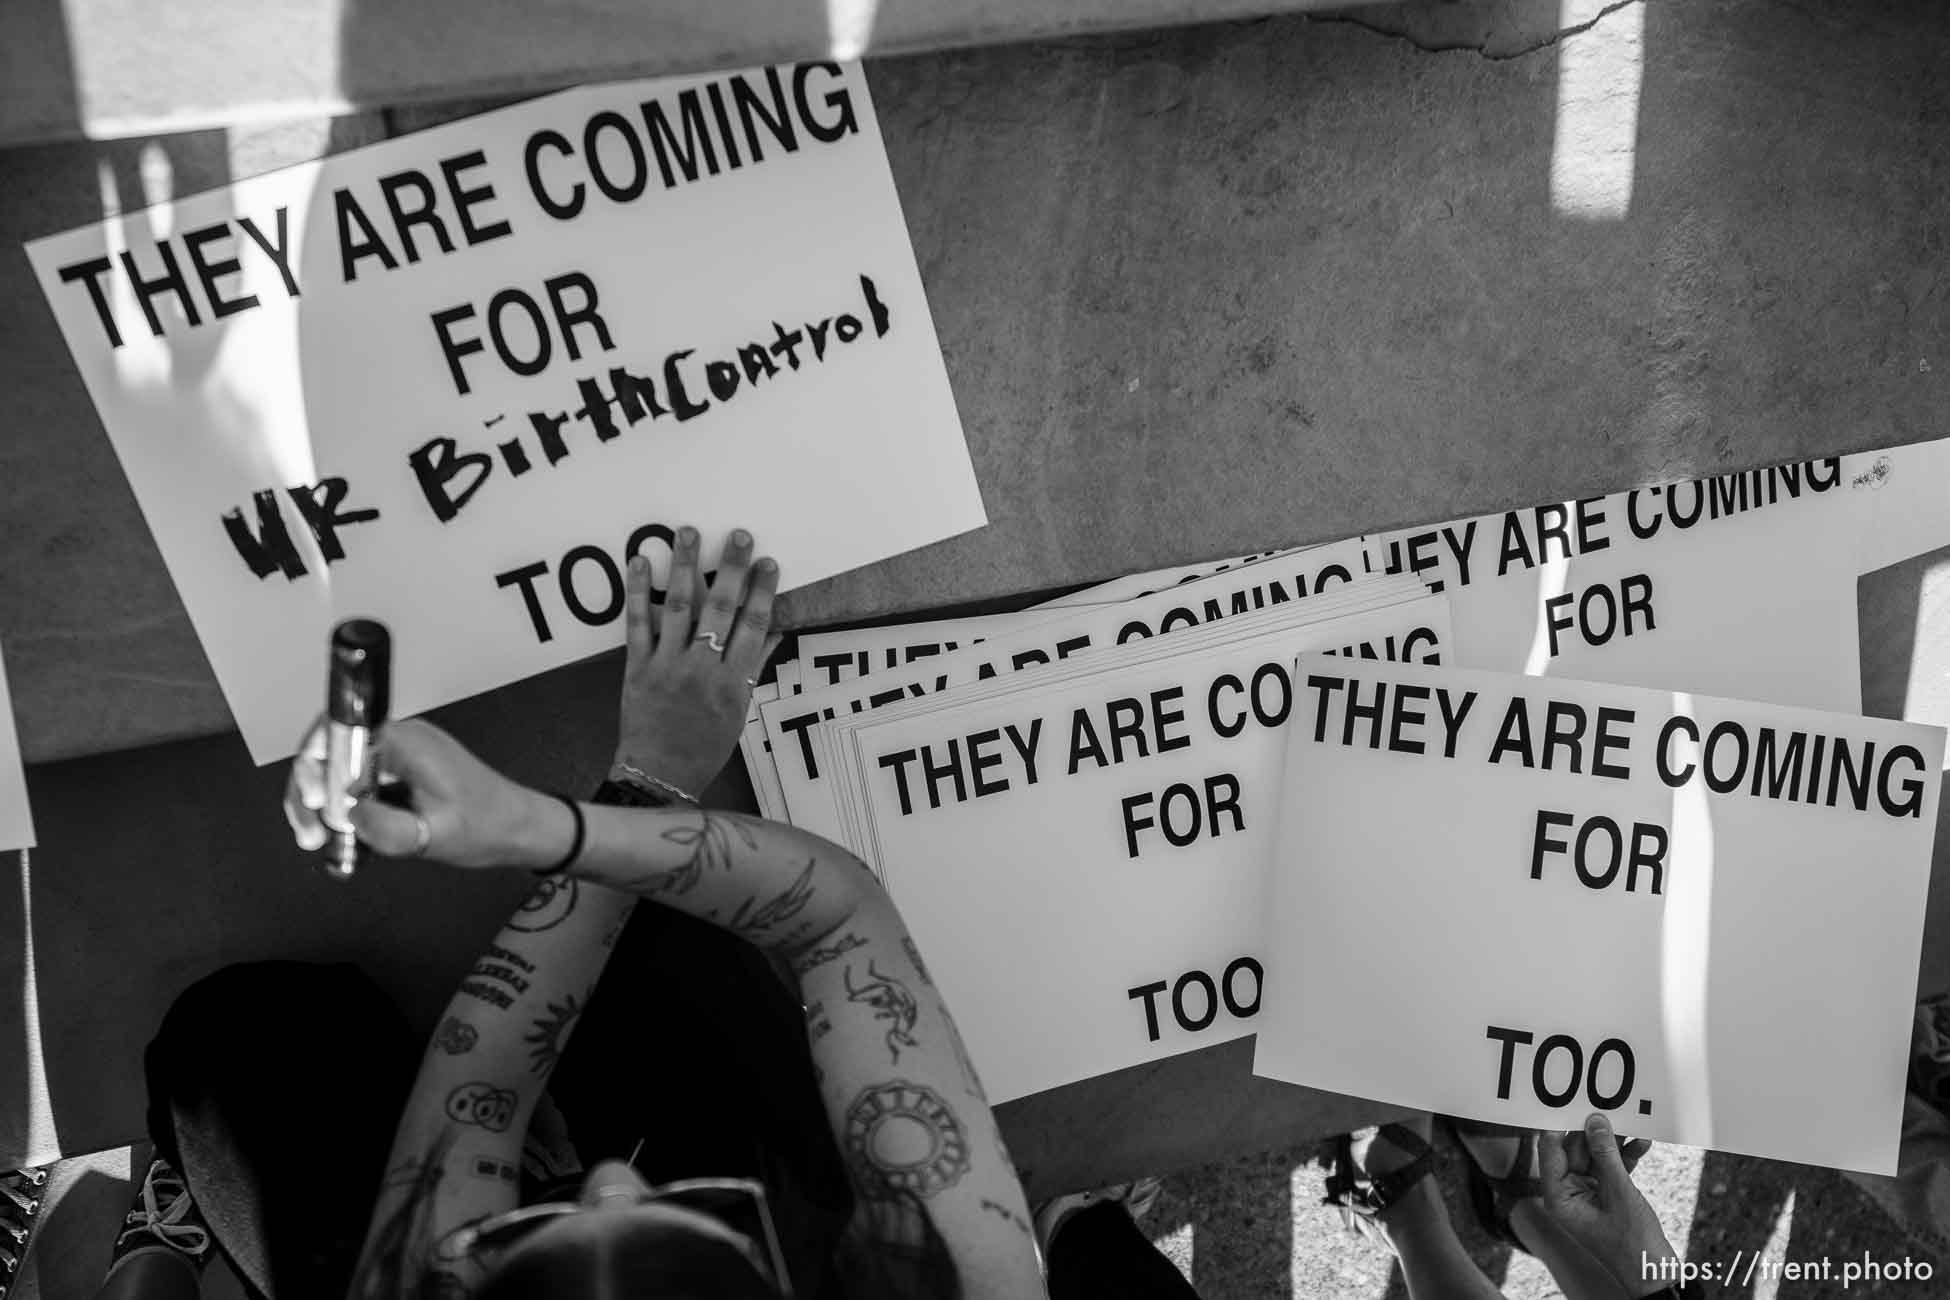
(627, 1261)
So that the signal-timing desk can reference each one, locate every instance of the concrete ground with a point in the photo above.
(1254, 1229)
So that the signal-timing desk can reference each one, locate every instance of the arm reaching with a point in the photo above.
(937, 1196)
(457, 1152)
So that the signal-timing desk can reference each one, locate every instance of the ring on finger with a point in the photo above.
(422, 837)
(711, 639)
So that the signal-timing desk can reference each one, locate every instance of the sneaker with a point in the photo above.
(163, 1217)
(20, 1207)
(1137, 1198)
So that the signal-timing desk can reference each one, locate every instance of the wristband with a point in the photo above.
(575, 842)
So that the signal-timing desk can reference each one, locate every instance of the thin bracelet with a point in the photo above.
(641, 777)
(575, 843)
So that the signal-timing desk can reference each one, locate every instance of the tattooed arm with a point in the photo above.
(682, 705)
(940, 1211)
(457, 1153)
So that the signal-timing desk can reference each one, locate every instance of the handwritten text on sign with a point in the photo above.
(455, 380)
(1635, 881)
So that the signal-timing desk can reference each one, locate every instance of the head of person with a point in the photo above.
(624, 1243)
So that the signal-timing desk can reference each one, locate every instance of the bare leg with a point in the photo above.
(159, 1274)
(1434, 1264)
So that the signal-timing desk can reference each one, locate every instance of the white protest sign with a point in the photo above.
(835, 657)
(1519, 900)
(757, 753)
(792, 723)
(1726, 586)
(452, 380)
(1082, 860)
(1902, 499)
(1341, 615)
(1133, 585)
(16, 819)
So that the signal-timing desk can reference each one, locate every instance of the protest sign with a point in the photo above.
(1080, 850)
(792, 723)
(1405, 625)
(16, 819)
(835, 657)
(1133, 585)
(1901, 496)
(1519, 900)
(1727, 586)
(757, 753)
(453, 380)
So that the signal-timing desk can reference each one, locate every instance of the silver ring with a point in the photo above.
(711, 639)
(422, 837)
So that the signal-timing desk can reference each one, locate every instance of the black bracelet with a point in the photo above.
(575, 844)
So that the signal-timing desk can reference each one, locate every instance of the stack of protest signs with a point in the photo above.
(1140, 820)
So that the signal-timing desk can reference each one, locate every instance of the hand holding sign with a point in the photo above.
(1589, 1192)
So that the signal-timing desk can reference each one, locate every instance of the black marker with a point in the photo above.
(358, 690)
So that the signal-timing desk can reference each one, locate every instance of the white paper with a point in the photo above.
(1901, 496)
(1133, 585)
(851, 451)
(834, 657)
(1763, 989)
(792, 723)
(757, 753)
(1037, 922)
(16, 818)
(1758, 603)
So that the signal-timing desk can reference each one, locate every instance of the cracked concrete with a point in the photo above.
(1498, 30)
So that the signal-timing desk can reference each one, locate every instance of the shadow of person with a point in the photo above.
(1830, 1224)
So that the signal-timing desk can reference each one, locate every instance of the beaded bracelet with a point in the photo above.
(638, 776)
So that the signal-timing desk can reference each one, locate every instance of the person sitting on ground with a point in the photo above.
(762, 1039)
(938, 1209)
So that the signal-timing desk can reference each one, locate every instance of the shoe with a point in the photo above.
(163, 1217)
(20, 1207)
(1137, 1198)
(1363, 1197)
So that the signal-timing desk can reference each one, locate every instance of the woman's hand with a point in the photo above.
(1589, 1192)
(687, 677)
(458, 809)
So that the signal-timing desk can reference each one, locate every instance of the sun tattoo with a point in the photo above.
(546, 1036)
(902, 1137)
